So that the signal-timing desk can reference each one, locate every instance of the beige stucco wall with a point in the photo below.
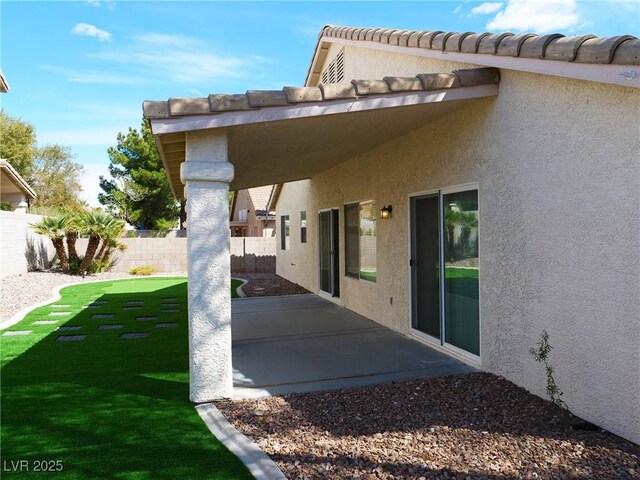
(21, 249)
(559, 179)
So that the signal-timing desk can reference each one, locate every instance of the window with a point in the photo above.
(242, 216)
(303, 227)
(360, 241)
(284, 232)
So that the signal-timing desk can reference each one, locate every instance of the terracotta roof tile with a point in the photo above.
(255, 99)
(619, 50)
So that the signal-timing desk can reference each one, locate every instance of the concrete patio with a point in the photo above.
(303, 343)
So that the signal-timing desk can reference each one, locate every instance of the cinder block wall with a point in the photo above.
(169, 254)
(21, 249)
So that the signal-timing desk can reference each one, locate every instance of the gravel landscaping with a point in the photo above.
(475, 426)
(20, 291)
(268, 285)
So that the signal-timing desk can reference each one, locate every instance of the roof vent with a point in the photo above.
(334, 73)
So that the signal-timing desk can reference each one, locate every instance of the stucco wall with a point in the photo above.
(21, 249)
(558, 171)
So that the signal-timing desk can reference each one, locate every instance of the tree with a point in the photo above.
(138, 191)
(50, 170)
(18, 143)
(56, 177)
(55, 228)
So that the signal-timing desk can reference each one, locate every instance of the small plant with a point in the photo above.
(541, 355)
(143, 270)
(5, 207)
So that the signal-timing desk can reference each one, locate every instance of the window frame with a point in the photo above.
(349, 237)
(303, 226)
(285, 232)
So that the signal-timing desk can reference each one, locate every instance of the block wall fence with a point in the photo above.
(22, 250)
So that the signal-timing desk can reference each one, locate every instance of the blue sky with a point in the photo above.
(79, 70)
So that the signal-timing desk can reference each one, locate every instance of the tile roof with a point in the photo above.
(622, 49)
(4, 85)
(260, 198)
(255, 99)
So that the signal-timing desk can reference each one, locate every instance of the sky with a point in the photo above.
(79, 70)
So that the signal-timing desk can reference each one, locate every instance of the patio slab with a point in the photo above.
(304, 343)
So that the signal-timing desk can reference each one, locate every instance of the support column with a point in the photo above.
(207, 174)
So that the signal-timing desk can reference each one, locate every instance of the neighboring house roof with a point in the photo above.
(478, 48)
(11, 181)
(260, 199)
(4, 85)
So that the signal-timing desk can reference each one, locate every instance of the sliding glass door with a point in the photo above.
(328, 255)
(445, 268)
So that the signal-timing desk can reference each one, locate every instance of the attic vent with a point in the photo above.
(334, 73)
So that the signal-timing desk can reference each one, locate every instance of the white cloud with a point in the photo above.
(88, 30)
(179, 59)
(110, 4)
(457, 9)
(485, 8)
(539, 16)
(99, 78)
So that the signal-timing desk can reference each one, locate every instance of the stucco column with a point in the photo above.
(206, 174)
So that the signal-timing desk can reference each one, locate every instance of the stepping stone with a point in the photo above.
(92, 306)
(134, 302)
(110, 327)
(170, 299)
(70, 338)
(68, 328)
(16, 332)
(142, 319)
(45, 322)
(166, 325)
(102, 315)
(134, 335)
(131, 308)
(169, 311)
(99, 302)
(59, 314)
(60, 306)
(170, 305)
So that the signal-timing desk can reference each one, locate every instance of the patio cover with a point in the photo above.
(295, 133)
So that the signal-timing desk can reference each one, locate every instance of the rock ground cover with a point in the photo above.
(268, 285)
(475, 426)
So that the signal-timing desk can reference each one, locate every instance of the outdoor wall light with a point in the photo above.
(385, 213)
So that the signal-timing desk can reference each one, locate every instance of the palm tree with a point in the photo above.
(73, 229)
(109, 242)
(55, 228)
(97, 225)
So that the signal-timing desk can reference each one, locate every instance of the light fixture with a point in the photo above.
(385, 213)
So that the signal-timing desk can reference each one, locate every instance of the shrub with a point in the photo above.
(143, 270)
(5, 207)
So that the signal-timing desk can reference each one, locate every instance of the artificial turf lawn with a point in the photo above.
(107, 407)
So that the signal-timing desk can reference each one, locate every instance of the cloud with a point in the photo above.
(485, 8)
(95, 78)
(457, 9)
(110, 4)
(179, 58)
(539, 16)
(88, 30)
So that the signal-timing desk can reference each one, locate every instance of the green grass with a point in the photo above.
(457, 272)
(235, 283)
(107, 407)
